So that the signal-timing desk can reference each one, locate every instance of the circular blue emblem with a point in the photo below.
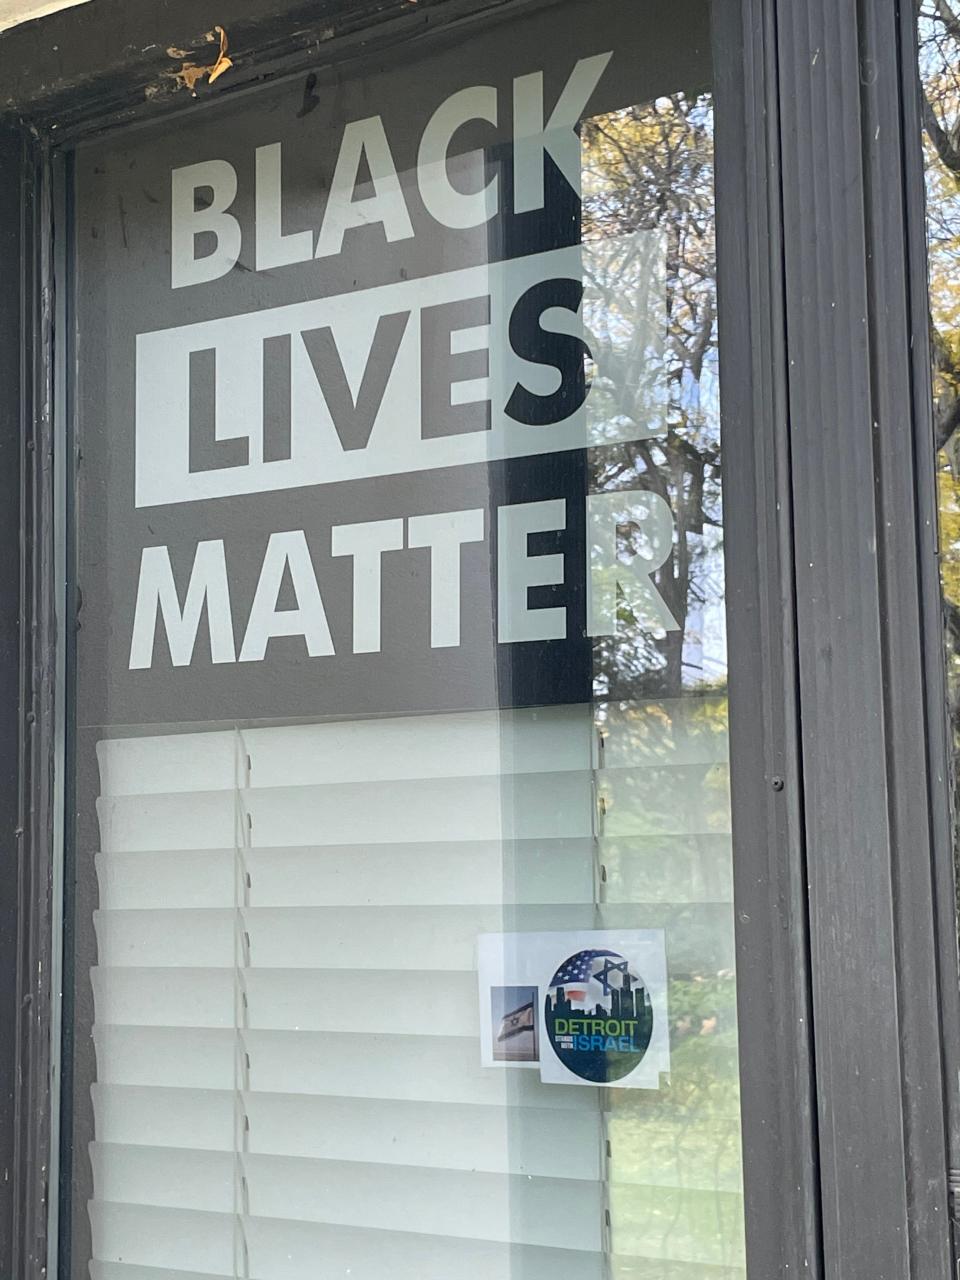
(599, 1016)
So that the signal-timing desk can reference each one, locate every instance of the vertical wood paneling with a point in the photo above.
(879, 1078)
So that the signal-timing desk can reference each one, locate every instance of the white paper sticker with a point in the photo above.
(586, 1007)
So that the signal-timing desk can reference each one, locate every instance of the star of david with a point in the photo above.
(603, 975)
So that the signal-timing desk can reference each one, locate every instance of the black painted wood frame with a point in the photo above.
(869, 642)
(844, 882)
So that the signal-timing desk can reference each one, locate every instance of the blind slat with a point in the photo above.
(674, 731)
(472, 1205)
(424, 945)
(418, 874)
(666, 1227)
(285, 1250)
(124, 1271)
(684, 799)
(408, 748)
(409, 939)
(525, 806)
(492, 1139)
(369, 1131)
(584, 1267)
(407, 1067)
(443, 1004)
(650, 868)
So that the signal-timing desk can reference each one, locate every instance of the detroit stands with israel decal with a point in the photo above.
(599, 1016)
(584, 1008)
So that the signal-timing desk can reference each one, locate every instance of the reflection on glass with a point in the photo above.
(939, 52)
(675, 1197)
(651, 168)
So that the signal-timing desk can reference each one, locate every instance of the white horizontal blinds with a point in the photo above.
(286, 1012)
(261, 894)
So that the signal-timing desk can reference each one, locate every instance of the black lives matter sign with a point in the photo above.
(380, 498)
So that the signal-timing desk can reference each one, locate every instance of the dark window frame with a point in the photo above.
(844, 876)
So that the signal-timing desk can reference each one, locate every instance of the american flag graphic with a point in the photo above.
(575, 974)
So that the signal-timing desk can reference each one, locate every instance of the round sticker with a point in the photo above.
(599, 1016)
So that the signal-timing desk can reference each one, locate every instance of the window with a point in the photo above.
(403, 926)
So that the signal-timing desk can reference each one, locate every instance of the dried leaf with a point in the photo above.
(223, 63)
(191, 73)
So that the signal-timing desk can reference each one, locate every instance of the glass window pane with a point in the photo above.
(403, 930)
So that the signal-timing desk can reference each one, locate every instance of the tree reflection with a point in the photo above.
(939, 50)
(650, 168)
(675, 1166)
